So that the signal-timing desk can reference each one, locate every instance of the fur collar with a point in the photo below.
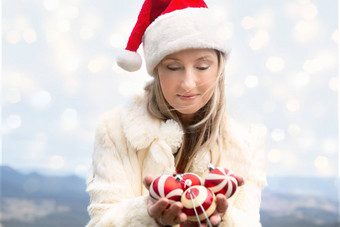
(141, 129)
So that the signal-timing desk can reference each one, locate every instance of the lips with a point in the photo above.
(188, 96)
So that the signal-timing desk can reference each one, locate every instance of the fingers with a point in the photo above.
(147, 181)
(240, 180)
(221, 204)
(215, 219)
(155, 210)
(174, 215)
(221, 208)
(165, 214)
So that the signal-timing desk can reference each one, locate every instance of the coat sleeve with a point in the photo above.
(114, 199)
(244, 209)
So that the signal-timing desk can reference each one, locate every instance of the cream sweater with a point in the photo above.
(130, 144)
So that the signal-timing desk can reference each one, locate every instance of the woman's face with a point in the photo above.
(188, 79)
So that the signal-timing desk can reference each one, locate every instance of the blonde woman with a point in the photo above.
(178, 125)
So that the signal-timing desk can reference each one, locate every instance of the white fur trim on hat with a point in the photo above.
(179, 30)
(129, 60)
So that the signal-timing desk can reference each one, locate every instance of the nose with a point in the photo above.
(189, 80)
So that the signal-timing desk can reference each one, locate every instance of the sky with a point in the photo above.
(59, 75)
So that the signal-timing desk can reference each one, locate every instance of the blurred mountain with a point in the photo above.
(40, 201)
(300, 202)
(36, 200)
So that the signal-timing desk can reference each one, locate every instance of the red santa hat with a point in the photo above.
(167, 26)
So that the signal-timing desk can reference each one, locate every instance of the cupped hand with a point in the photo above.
(163, 211)
(171, 214)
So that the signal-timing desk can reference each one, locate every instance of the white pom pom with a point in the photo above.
(129, 60)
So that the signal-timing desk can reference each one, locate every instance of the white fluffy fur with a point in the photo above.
(130, 144)
(129, 60)
(182, 29)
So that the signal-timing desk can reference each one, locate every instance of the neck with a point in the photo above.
(187, 119)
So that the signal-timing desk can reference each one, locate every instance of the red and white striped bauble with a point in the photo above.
(165, 186)
(189, 179)
(221, 181)
(196, 198)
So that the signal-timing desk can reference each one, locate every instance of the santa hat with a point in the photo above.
(168, 26)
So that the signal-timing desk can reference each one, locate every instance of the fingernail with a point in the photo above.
(218, 220)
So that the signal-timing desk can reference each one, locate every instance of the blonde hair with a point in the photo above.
(206, 127)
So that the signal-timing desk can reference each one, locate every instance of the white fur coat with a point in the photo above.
(130, 144)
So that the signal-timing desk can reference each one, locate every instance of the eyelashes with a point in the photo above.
(201, 68)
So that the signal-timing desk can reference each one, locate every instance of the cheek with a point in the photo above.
(167, 86)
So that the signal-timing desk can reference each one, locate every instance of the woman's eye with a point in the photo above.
(203, 67)
(173, 68)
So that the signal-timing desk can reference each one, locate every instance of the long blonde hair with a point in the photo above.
(207, 123)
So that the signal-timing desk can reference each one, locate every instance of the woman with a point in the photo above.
(178, 125)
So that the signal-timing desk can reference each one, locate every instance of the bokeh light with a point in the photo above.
(69, 60)
(251, 81)
(308, 11)
(293, 105)
(334, 83)
(18, 80)
(13, 37)
(335, 36)
(13, 121)
(274, 156)
(265, 19)
(56, 162)
(40, 99)
(13, 95)
(69, 12)
(237, 90)
(29, 35)
(248, 22)
(51, 5)
(225, 32)
(323, 165)
(306, 31)
(259, 40)
(86, 33)
(275, 64)
(69, 120)
(330, 146)
(279, 91)
(117, 40)
(98, 64)
(324, 60)
(278, 134)
(301, 79)
(63, 25)
(294, 129)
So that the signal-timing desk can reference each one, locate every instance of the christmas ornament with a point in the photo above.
(198, 203)
(188, 179)
(165, 186)
(221, 181)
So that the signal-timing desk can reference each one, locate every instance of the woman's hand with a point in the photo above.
(164, 212)
(222, 205)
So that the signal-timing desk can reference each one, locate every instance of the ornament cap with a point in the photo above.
(211, 167)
